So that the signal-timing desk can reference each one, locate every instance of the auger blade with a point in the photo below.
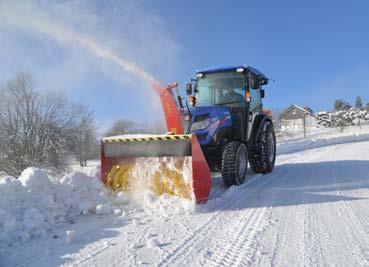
(164, 164)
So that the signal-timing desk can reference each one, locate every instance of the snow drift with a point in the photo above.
(37, 203)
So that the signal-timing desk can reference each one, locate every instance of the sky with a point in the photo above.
(313, 51)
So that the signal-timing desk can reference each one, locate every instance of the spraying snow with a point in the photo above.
(38, 22)
(155, 184)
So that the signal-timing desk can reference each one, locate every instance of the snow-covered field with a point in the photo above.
(313, 210)
(297, 134)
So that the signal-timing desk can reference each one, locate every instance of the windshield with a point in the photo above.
(221, 88)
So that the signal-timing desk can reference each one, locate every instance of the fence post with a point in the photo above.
(304, 125)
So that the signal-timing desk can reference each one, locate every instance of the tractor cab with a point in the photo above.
(226, 107)
(235, 91)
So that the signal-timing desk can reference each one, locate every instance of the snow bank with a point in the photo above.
(36, 203)
(320, 141)
(167, 205)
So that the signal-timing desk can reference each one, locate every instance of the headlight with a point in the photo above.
(199, 125)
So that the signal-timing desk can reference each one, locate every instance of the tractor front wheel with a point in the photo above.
(234, 163)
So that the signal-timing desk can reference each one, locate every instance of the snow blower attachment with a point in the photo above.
(164, 164)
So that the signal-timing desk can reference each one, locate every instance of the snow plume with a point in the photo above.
(70, 41)
(32, 17)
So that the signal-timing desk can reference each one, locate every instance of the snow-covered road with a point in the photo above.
(312, 210)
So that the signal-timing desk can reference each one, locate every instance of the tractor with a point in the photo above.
(227, 117)
(221, 126)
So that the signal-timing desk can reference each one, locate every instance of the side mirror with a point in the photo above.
(188, 88)
(262, 93)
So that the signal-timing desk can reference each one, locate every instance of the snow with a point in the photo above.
(37, 203)
(70, 236)
(117, 212)
(312, 210)
(313, 133)
(102, 209)
(342, 117)
(323, 138)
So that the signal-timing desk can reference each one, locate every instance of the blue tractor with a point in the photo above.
(225, 112)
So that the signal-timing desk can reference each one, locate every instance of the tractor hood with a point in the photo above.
(205, 121)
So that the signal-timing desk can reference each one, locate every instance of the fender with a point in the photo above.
(259, 121)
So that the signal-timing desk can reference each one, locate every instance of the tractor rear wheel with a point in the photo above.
(263, 154)
(234, 163)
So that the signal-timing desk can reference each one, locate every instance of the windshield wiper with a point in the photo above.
(225, 103)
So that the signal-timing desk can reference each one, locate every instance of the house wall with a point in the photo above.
(310, 122)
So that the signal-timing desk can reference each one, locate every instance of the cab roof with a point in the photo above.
(254, 71)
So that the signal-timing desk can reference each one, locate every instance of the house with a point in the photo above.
(294, 116)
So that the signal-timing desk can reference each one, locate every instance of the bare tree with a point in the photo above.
(36, 129)
(86, 145)
(121, 126)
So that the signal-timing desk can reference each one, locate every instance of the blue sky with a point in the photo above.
(316, 52)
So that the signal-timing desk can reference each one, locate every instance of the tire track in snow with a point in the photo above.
(287, 224)
(85, 257)
(312, 239)
(249, 237)
(361, 215)
(89, 252)
(310, 249)
(249, 227)
(186, 246)
(358, 223)
(245, 191)
(282, 241)
(250, 231)
(208, 223)
(324, 236)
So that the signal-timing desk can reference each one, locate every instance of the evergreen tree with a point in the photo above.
(358, 103)
(341, 104)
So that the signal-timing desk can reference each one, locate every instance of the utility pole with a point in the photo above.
(304, 124)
